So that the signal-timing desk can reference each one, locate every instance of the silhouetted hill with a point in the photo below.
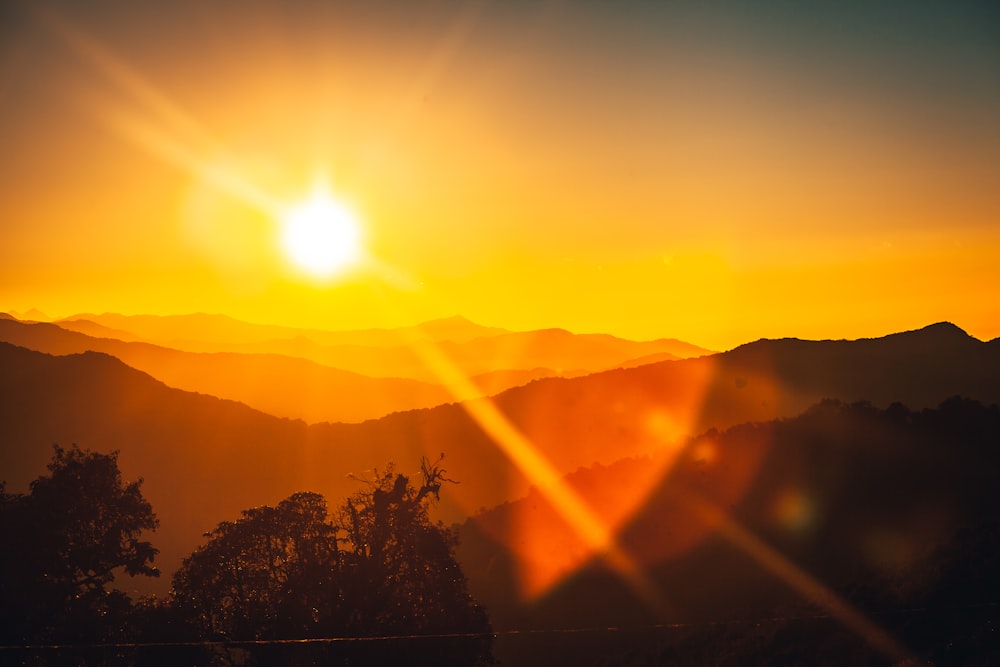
(919, 368)
(606, 416)
(563, 352)
(494, 382)
(865, 501)
(198, 454)
(203, 459)
(282, 386)
(560, 349)
(649, 359)
(289, 386)
(95, 330)
(456, 329)
(206, 459)
(201, 332)
(30, 315)
(476, 350)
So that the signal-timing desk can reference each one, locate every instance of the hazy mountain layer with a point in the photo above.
(279, 385)
(474, 349)
(201, 330)
(294, 387)
(204, 459)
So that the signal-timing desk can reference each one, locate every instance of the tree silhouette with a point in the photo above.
(285, 572)
(267, 575)
(405, 563)
(404, 579)
(64, 542)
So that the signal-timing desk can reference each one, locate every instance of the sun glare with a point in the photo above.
(321, 236)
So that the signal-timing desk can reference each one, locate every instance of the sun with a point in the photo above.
(321, 236)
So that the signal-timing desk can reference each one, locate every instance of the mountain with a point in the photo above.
(456, 329)
(204, 459)
(282, 386)
(475, 350)
(293, 387)
(194, 451)
(563, 352)
(494, 382)
(95, 330)
(559, 349)
(866, 502)
(200, 332)
(919, 368)
(650, 359)
(31, 315)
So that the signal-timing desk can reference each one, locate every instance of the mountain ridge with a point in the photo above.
(325, 392)
(475, 355)
(250, 379)
(887, 487)
(205, 459)
(943, 330)
(218, 328)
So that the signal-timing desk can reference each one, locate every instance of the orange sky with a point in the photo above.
(710, 173)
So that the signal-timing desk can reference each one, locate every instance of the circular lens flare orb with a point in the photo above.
(321, 236)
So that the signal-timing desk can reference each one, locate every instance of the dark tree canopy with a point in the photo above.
(265, 575)
(91, 519)
(380, 569)
(402, 564)
(65, 540)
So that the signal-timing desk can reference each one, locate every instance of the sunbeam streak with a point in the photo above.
(533, 464)
(167, 131)
(167, 145)
(113, 68)
(174, 152)
(805, 584)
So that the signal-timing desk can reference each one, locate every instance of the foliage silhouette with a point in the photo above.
(285, 572)
(256, 576)
(66, 539)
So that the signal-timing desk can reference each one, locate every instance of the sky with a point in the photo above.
(713, 171)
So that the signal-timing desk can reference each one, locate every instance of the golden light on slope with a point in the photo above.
(321, 235)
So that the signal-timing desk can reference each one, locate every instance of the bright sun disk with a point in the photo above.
(321, 236)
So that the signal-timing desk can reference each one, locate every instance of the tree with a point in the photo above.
(267, 575)
(67, 538)
(404, 564)
(285, 572)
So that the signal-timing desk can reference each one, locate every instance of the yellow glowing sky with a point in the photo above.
(711, 173)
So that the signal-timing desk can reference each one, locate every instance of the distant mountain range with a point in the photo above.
(204, 459)
(279, 385)
(294, 386)
(475, 349)
(195, 331)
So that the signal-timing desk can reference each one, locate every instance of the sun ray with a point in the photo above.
(170, 134)
(105, 62)
(595, 533)
(171, 151)
(183, 142)
(795, 577)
